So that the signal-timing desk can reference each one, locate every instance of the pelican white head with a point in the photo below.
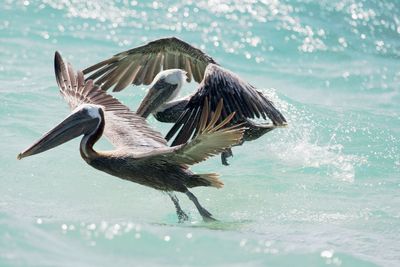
(165, 87)
(84, 120)
(91, 109)
(172, 76)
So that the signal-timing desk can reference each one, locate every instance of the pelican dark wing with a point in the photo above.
(141, 64)
(122, 127)
(212, 139)
(238, 96)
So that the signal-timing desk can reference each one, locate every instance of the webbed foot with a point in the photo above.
(225, 155)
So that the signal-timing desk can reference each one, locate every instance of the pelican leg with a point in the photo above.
(225, 155)
(182, 216)
(207, 216)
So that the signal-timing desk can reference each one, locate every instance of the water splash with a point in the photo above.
(299, 145)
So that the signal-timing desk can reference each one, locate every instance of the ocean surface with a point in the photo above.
(323, 192)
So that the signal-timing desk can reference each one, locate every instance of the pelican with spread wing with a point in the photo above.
(141, 154)
(165, 63)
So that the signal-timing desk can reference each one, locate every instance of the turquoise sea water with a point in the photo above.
(322, 192)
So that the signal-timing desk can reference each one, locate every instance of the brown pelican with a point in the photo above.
(178, 59)
(142, 154)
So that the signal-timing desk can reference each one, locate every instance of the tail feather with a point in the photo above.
(205, 179)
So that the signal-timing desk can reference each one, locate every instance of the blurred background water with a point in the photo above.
(323, 192)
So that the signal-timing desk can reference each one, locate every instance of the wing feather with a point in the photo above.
(211, 140)
(188, 69)
(238, 97)
(128, 77)
(150, 69)
(171, 53)
(100, 72)
(122, 127)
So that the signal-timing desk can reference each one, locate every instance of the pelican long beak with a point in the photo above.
(73, 126)
(150, 102)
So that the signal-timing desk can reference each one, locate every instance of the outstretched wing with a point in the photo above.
(212, 139)
(238, 96)
(141, 64)
(122, 127)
